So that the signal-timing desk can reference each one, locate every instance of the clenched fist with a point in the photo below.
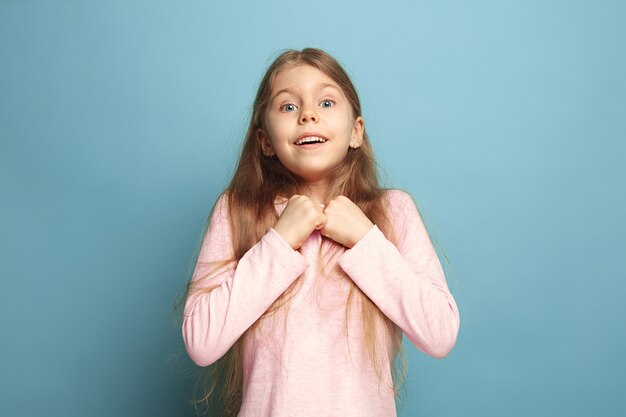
(301, 216)
(345, 222)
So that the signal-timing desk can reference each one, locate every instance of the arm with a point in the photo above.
(406, 282)
(214, 321)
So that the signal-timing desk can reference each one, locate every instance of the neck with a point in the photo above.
(317, 191)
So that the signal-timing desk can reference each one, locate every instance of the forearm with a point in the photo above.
(418, 301)
(215, 320)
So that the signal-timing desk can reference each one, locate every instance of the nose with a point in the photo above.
(309, 114)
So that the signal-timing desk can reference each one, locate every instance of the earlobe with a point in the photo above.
(358, 131)
(266, 145)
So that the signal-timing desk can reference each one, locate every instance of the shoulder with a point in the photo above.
(397, 200)
(222, 203)
(406, 220)
(402, 210)
(220, 211)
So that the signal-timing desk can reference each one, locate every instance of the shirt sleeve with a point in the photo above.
(406, 282)
(213, 321)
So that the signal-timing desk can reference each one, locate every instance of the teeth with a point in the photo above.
(310, 139)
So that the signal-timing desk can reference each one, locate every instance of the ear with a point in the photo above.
(358, 131)
(264, 140)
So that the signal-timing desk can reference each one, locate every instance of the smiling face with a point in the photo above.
(309, 124)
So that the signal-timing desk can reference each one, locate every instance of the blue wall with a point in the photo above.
(120, 123)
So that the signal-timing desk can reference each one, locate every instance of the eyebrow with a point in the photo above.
(320, 86)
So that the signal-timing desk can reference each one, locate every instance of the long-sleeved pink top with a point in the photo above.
(312, 361)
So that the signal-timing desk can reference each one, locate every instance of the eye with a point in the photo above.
(327, 103)
(289, 107)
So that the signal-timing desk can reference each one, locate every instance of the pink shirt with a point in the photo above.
(306, 364)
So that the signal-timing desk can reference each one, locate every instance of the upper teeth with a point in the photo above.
(310, 139)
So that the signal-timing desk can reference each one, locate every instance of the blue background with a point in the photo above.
(120, 123)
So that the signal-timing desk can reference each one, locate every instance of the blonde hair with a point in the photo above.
(256, 184)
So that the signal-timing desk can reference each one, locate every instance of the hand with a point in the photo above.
(346, 223)
(301, 216)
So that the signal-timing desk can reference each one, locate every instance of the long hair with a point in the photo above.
(257, 183)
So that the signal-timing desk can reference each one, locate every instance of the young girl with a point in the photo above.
(309, 272)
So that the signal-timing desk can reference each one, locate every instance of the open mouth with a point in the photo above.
(310, 140)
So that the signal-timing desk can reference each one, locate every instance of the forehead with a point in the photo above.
(302, 78)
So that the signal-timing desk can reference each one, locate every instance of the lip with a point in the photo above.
(307, 134)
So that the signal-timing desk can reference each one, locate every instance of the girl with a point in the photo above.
(309, 272)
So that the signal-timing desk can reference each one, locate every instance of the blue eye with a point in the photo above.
(327, 103)
(288, 107)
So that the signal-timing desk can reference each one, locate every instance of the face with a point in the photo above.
(309, 124)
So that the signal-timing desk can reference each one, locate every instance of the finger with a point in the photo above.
(321, 222)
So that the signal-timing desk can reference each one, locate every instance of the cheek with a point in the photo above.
(347, 128)
(277, 129)
(347, 122)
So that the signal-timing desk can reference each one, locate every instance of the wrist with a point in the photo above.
(362, 231)
(286, 236)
